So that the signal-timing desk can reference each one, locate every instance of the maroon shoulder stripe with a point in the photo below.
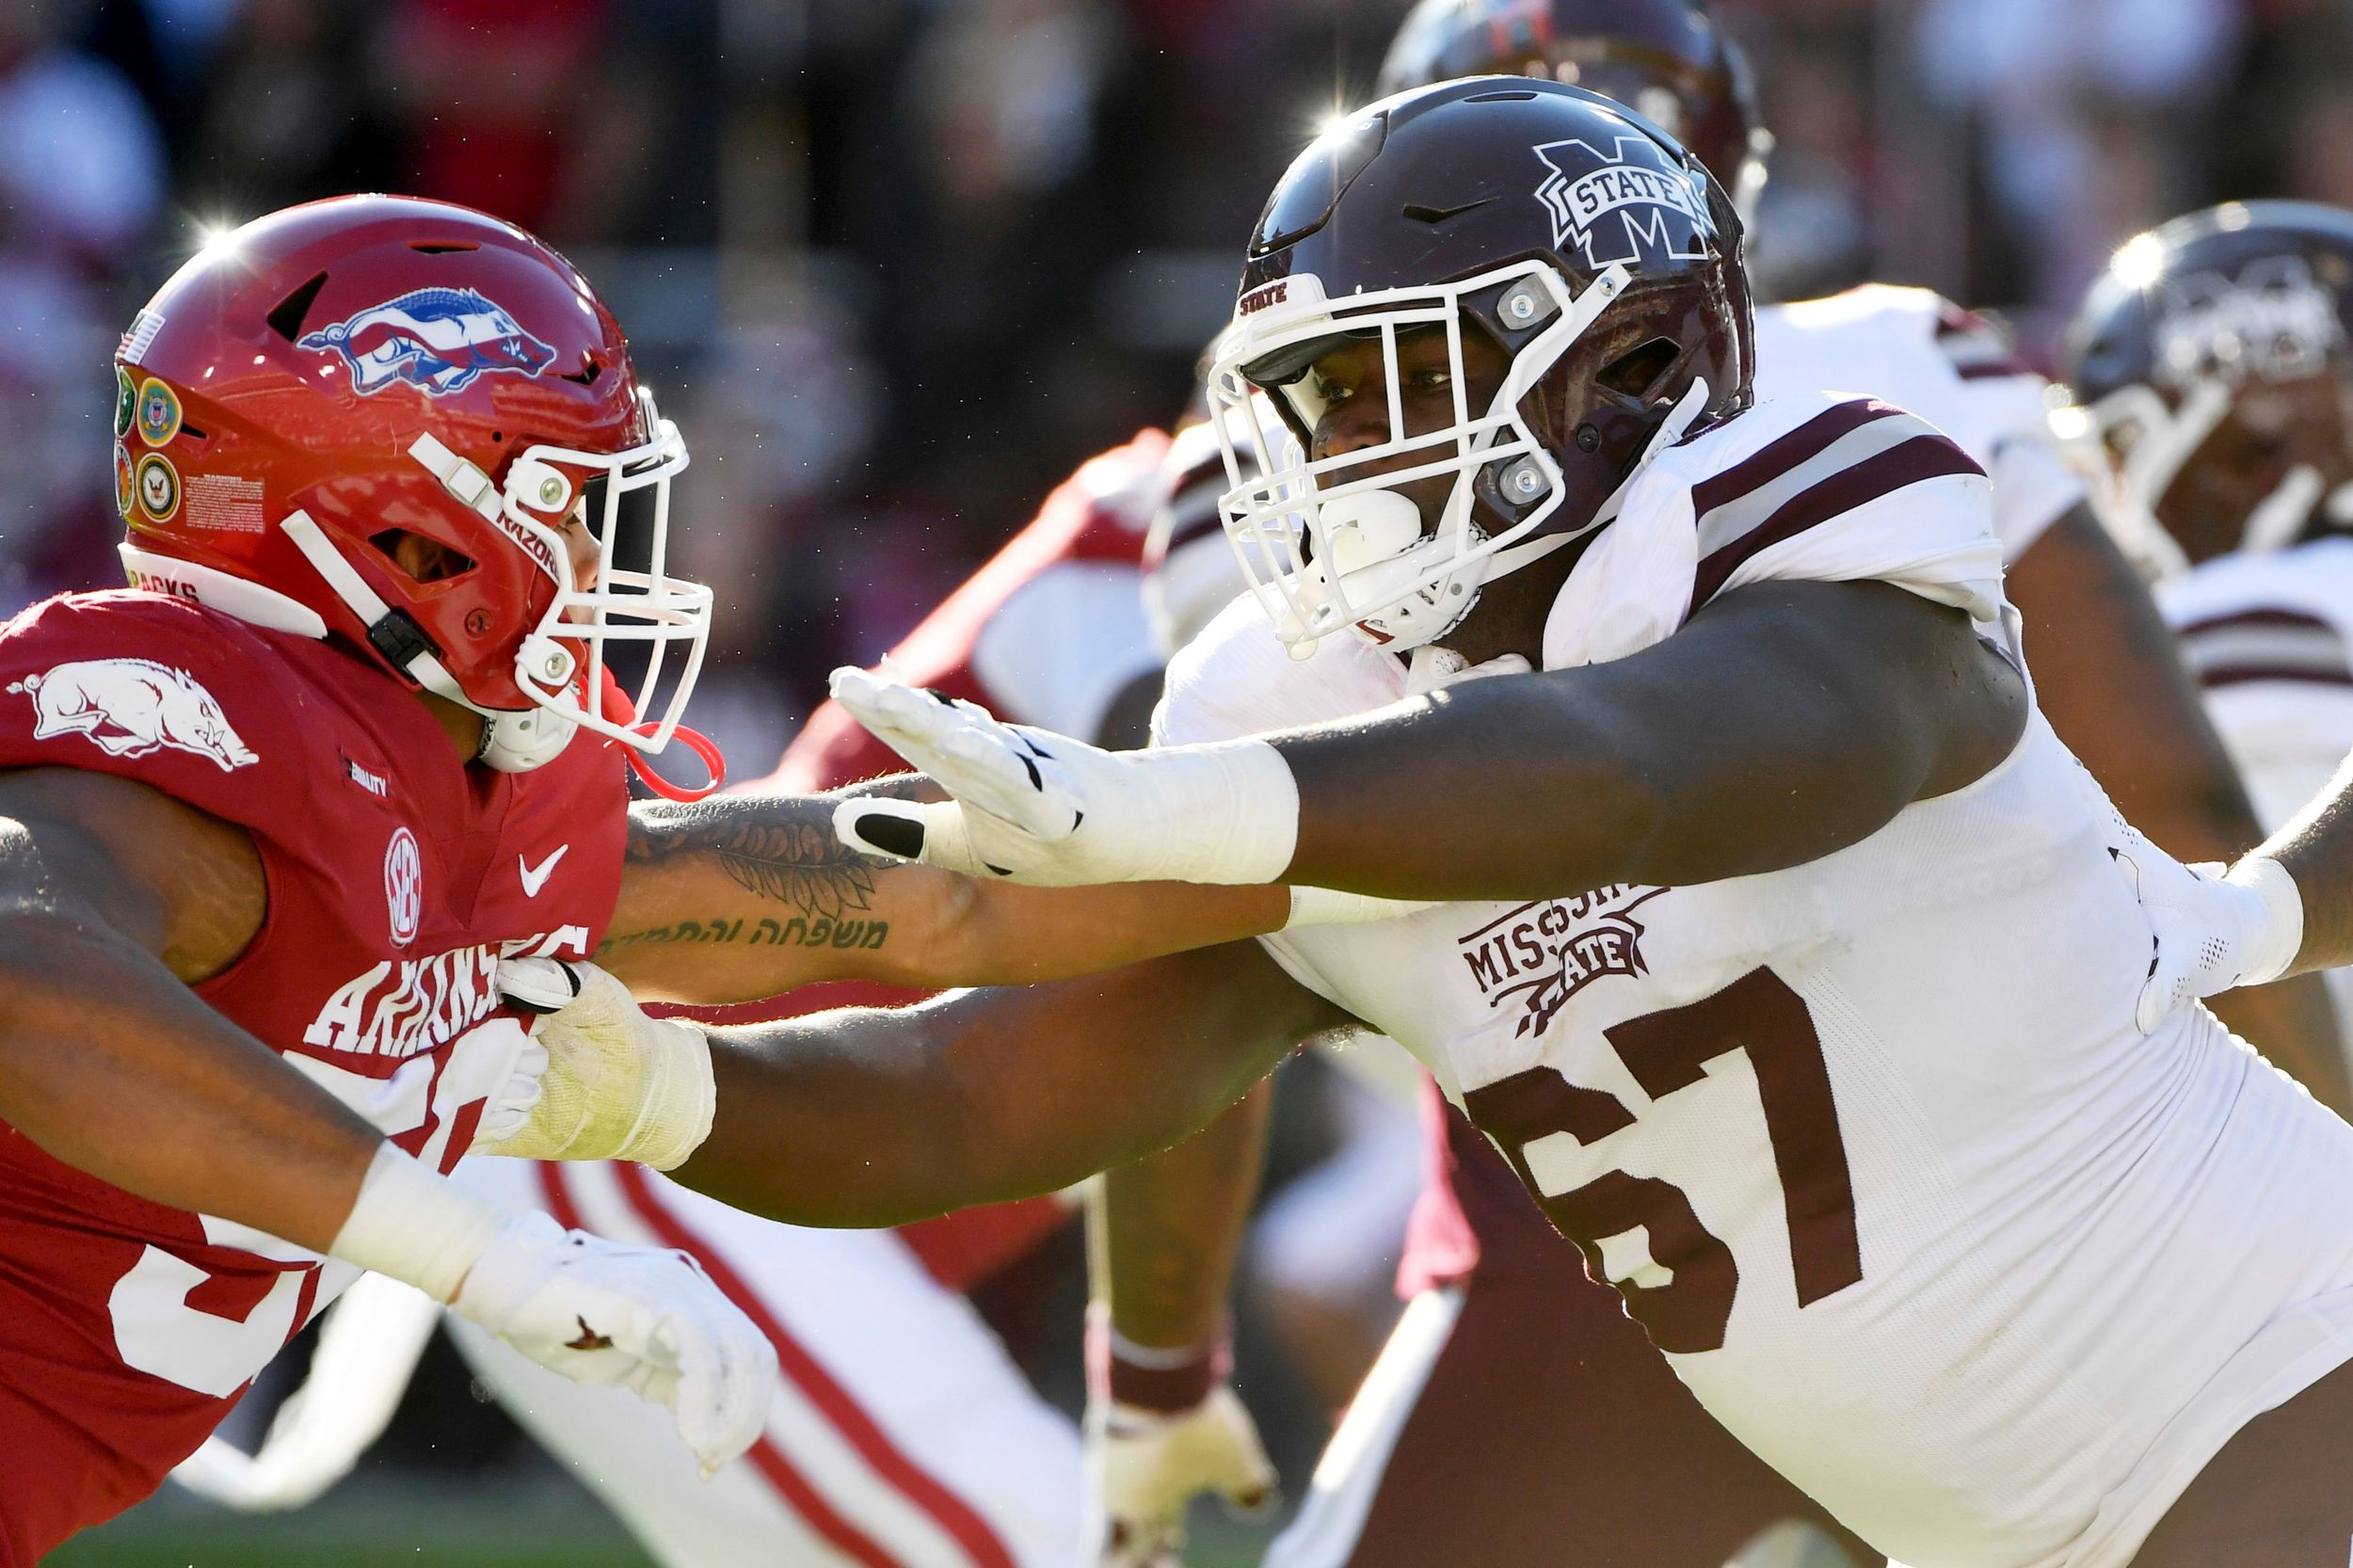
(1923, 458)
(2265, 617)
(1783, 453)
(2242, 675)
(1991, 370)
(1978, 351)
(2267, 643)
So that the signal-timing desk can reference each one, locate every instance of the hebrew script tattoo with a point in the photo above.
(781, 849)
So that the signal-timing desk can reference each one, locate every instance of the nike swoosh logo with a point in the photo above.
(536, 877)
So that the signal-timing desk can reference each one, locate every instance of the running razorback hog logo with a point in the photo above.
(434, 339)
(1541, 954)
(1623, 202)
(131, 707)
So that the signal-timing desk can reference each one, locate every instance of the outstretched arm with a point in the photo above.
(747, 896)
(1165, 1232)
(2316, 852)
(2111, 682)
(1786, 721)
(877, 1117)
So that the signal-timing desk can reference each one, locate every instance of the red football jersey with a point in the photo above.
(397, 877)
(1047, 633)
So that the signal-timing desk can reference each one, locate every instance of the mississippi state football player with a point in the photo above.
(347, 754)
(1790, 959)
(1402, 1484)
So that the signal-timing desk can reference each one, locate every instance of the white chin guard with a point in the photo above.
(519, 742)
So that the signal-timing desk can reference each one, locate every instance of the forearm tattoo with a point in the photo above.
(781, 849)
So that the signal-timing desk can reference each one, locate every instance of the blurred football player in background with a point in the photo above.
(902, 1428)
(2212, 367)
(921, 1440)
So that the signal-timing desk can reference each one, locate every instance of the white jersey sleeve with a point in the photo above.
(1821, 488)
(1065, 645)
(1237, 678)
(1952, 368)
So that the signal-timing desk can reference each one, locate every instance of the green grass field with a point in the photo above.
(536, 1524)
(540, 1522)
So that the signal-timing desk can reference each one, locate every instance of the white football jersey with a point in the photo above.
(1927, 354)
(1872, 1145)
(2269, 639)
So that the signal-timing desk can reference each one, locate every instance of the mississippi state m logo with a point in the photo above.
(1624, 202)
(1537, 956)
(437, 339)
(2274, 322)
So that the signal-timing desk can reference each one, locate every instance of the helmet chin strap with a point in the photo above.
(615, 705)
(392, 633)
(512, 742)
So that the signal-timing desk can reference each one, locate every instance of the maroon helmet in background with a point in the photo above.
(314, 386)
(1583, 242)
(2211, 368)
(1667, 59)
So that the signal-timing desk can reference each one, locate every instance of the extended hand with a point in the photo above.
(2212, 933)
(646, 1320)
(611, 1083)
(1051, 811)
(1147, 1465)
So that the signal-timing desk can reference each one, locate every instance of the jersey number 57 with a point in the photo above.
(1666, 1052)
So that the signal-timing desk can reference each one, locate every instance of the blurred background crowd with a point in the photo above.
(897, 266)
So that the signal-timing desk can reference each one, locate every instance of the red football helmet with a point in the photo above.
(319, 383)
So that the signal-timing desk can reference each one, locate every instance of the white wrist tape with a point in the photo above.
(1228, 812)
(415, 1227)
(2282, 936)
(1330, 906)
(619, 1085)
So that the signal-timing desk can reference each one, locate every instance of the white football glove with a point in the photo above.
(646, 1320)
(2212, 932)
(609, 1082)
(1043, 808)
(1143, 1467)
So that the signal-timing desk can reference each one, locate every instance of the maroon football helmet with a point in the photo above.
(324, 382)
(1598, 260)
(1665, 59)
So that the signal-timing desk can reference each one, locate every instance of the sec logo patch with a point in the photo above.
(404, 886)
